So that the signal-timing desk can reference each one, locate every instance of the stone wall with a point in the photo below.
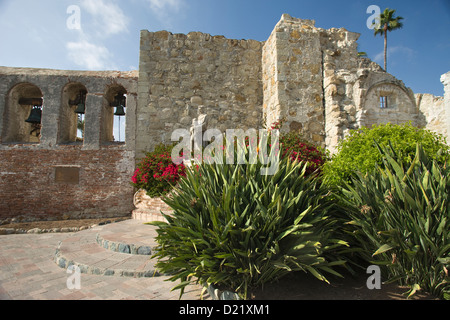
(52, 175)
(340, 83)
(314, 80)
(293, 78)
(432, 113)
(184, 76)
(445, 79)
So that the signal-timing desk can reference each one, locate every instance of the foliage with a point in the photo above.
(358, 152)
(156, 173)
(238, 229)
(399, 218)
(387, 23)
(293, 146)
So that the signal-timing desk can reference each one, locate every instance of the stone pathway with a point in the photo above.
(34, 266)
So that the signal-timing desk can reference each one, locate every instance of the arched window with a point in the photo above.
(23, 114)
(71, 124)
(388, 102)
(114, 115)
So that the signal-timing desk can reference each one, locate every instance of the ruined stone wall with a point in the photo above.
(315, 82)
(401, 107)
(340, 79)
(184, 76)
(292, 78)
(53, 175)
(432, 113)
(445, 79)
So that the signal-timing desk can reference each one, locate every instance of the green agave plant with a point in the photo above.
(399, 218)
(238, 229)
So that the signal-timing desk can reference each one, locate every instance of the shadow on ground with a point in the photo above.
(302, 286)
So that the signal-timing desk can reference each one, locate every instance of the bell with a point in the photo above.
(81, 108)
(35, 116)
(120, 111)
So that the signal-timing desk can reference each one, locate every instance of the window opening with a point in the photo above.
(383, 102)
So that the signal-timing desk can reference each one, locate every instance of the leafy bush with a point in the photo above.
(399, 218)
(358, 152)
(238, 229)
(156, 173)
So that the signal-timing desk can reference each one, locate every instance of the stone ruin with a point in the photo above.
(310, 77)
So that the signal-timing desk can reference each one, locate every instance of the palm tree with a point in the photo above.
(387, 23)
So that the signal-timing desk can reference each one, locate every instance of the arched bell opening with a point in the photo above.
(22, 120)
(114, 114)
(72, 112)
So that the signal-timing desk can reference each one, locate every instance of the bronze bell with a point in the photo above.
(120, 111)
(81, 109)
(119, 102)
(80, 102)
(35, 115)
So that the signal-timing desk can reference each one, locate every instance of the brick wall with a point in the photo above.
(69, 181)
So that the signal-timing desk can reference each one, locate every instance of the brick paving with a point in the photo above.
(28, 271)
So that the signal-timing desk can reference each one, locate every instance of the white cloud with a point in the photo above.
(403, 51)
(89, 56)
(165, 4)
(163, 8)
(109, 17)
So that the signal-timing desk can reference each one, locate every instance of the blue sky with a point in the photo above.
(37, 34)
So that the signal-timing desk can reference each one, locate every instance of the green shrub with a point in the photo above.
(358, 152)
(399, 218)
(238, 229)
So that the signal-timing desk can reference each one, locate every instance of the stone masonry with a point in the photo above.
(310, 78)
(184, 76)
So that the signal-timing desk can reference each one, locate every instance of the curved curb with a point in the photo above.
(64, 263)
(7, 231)
(220, 295)
(123, 247)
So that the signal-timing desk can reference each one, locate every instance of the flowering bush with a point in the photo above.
(156, 173)
(296, 148)
(293, 146)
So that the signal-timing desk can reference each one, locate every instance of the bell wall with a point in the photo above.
(51, 174)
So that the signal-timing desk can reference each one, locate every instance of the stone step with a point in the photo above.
(130, 236)
(82, 249)
(149, 215)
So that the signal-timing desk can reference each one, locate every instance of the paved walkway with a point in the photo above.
(29, 271)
